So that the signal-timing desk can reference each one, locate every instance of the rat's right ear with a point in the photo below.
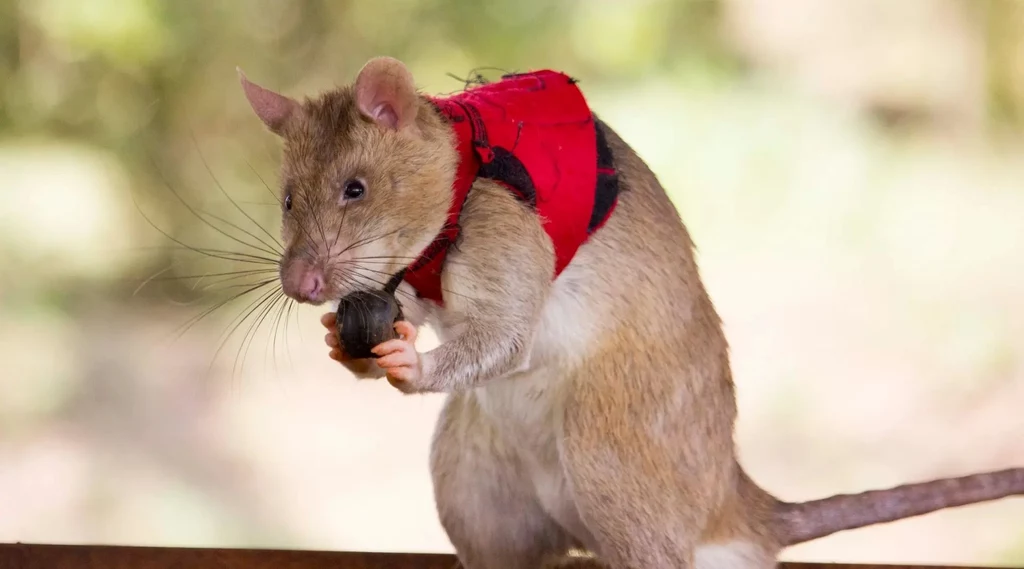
(385, 92)
(272, 108)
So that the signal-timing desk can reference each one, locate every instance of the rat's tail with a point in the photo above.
(800, 522)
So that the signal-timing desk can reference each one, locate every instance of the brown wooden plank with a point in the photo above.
(42, 556)
(33, 556)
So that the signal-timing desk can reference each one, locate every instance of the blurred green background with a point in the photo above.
(851, 171)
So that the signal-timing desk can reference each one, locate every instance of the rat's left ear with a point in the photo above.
(273, 108)
(385, 92)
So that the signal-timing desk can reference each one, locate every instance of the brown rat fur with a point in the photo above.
(594, 411)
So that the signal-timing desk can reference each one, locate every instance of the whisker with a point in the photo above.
(253, 329)
(385, 274)
(297, 326)
(212, 253)
(276, 309)
(347, 274)
(344, 212)
(371, 239)
(227, 195)
(206, 275)
(388, 275)
(196, 319)
(150, 279)
(265, 184)
(270, 249)
(316, 219)
(196, 283)
(370, 281)
(202, 250)
(230, 286)
(223, 280)
(235, 256)
(405, 261)
(277, 327)
(280, 203)
(246, 312)
(193, 211)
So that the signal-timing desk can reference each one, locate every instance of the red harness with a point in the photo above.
(535, 134)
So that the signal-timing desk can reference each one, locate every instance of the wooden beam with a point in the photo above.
(33, 556)
(40, 556)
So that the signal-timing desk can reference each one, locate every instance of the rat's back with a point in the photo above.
(634, 285)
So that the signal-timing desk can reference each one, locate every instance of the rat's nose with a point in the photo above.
(303, 283)
(312, 285)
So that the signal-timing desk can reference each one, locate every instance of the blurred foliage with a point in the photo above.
(146, 80)
(153, 83)
(1003, 22)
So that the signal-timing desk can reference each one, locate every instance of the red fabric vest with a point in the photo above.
(535, 134)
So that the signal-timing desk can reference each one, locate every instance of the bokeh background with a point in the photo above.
(851, 171)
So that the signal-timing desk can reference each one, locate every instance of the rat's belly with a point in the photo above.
(527, 406)
(528, 403)
(571, 326)
(526, 409)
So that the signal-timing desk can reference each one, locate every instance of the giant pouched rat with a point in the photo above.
(591, 403)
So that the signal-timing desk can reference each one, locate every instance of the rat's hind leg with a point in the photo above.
(485, 503)
(649, 467)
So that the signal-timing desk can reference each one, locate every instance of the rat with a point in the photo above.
(590, 403)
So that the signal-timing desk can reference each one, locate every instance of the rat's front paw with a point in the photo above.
(400, 361)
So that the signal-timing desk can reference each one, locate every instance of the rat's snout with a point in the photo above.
(304, 282)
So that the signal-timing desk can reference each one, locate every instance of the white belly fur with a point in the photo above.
(525, 406)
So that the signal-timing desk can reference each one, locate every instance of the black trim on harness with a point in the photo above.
(606, 191)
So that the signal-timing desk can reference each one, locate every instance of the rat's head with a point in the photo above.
(366, 180)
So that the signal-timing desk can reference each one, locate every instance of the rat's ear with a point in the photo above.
(385, 92)
(272, 108)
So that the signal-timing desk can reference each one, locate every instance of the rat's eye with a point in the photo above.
(288, 202)
(354, 189)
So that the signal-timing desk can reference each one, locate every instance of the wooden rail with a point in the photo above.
(32, 556)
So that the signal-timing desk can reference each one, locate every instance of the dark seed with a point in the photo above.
(366, 318)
